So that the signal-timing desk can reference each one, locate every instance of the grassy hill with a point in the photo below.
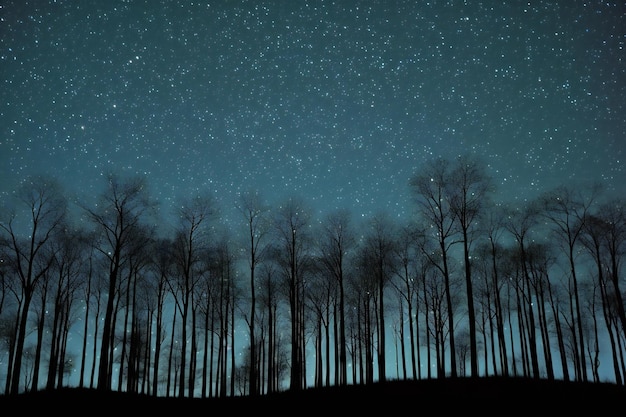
(461, 396)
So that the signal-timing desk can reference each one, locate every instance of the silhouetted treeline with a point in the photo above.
(127, 297)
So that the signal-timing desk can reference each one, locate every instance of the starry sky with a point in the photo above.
(338, 102)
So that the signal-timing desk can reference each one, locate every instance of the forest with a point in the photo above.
(116, 295)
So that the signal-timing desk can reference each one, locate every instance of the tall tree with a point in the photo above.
(195, 218)
(493, 230)
(292, 225)
(470, 187)
(520, 223)
(269, 301)
(431, 190)
(137, 255)
(89, 286)
(566, 209)
(162, 269)
(604, 238)
(336, 241)
(380, 243)
(319, 298)
(254, 211)
(70, 254)
(45, 209)
(410, 264)
(363, 294)
(614, 215)
(122, 207)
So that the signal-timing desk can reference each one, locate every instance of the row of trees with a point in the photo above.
(193, 307)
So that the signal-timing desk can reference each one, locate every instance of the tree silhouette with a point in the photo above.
(192, 237)
(121, 208)
(335, 242)
(469, 188)
(292, 224)
(431, 190)
(311, 284)
(380, 247)
(254, 212)
(43, 200)
(69, 252)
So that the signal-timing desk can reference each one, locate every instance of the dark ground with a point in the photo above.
(457, 397)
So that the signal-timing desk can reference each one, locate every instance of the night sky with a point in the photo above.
(338, 102)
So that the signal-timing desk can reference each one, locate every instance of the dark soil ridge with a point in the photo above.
(500, 396)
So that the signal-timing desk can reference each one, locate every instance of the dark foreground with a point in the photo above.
(461, 396)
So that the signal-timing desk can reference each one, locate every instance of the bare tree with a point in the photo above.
(470, 187)
(540, 261)
(88, 290)
(406, 289)
(336, 241)
(195, 217)
(363, 296)
(613, 215)
(380, 244)
(292, 225)
(69, 256)
(122, 207)
(11, 301)
(520, 223)
(138, 258)
(254, 212)
(161, 266)
(207, 304)
(431, 189)
(319, 298)
(566, 209)
(491, 249)
(269, 301)
(226, 302)
(604, 235)
(45, 207)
